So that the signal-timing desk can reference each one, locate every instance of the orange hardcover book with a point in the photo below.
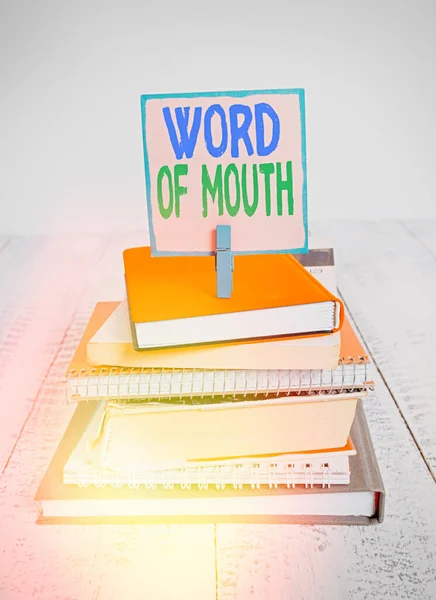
(173, 302)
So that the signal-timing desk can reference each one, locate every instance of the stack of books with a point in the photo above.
(194, 408)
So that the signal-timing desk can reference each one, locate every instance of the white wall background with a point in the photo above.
(71, 73)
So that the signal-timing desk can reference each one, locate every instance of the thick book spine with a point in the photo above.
(356, 521)
(366, 471)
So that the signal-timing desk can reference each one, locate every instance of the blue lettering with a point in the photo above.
(215, 151)
(184, 144)
(240, 131)
(259, 110)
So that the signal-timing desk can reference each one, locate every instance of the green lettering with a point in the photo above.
(165, 212)
(267, 169)
(179, 190)
(250, 209)
(285, 185)
(232, 209)
(215, 188)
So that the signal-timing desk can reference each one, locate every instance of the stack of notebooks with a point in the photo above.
(194, 408)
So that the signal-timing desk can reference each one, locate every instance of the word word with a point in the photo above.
(234, 128)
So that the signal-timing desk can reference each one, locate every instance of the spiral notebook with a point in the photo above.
(86, 467)
(131, 435)
(359, 503)
(85, 381)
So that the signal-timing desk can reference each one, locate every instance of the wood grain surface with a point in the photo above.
(387, 277)
(48, 287)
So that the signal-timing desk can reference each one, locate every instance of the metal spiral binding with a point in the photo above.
(213, 385)
(237, 483)
(133, 384)
(257, 384)
(272, 476)
(290, 473)
(133, 484)
(117, 483)
(342, 365)
(354, 373)
(255, 476)
(202, 383)
(167, 484)
(310, 382)
(279, 378)
(202, 477)
(299, 382)
(267, 383)
(185, 485)
(192, 383)
(129, 387)
(171, 381)
(289, 383)
(219, 483)
(162, 371)
(326, 472)
(331, 381)
(149, 384)
(202, 484)
(308, 474)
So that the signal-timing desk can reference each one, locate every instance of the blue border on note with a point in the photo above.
(234, 94)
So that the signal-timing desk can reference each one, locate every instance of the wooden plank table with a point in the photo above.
(48, 287)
